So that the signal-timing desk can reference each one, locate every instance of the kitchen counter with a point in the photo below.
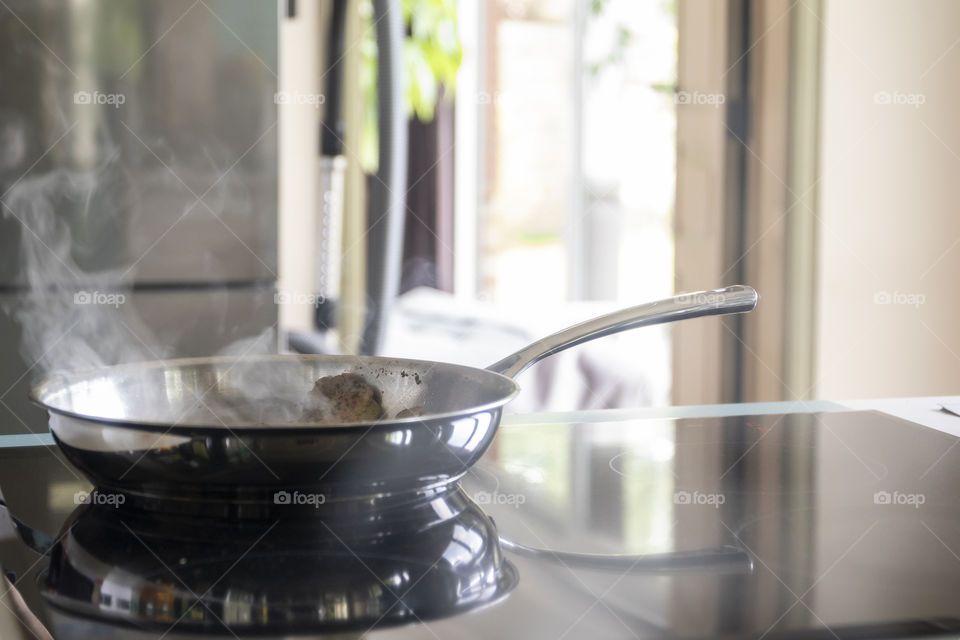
(819, 519)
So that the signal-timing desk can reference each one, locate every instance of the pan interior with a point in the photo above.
(263, 390)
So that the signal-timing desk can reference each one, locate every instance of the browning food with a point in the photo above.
(348, 397)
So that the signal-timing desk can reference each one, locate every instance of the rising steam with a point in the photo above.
(73, 315)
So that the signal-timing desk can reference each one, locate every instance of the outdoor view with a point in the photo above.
(576, 177)
(578, 182)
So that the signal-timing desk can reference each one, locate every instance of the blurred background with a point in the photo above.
(592, 154)
(452, 179)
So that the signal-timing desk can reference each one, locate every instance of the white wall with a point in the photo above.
(890, 194)
(298, 125)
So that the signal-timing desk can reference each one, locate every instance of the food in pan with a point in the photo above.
(349, 397)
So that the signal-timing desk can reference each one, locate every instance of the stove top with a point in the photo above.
(850, 524)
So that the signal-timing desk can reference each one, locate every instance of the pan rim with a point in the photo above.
(67, 378)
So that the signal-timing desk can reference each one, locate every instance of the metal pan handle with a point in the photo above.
(735, 299)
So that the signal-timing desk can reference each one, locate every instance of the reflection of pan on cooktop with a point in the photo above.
(156, 571)
(116, 563)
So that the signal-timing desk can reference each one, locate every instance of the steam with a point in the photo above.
(78, 261)
(13, 141)
(73, 316)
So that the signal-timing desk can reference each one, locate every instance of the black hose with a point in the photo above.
(388, 191)
(331, 134)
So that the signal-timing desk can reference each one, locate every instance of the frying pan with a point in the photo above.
(226, 430)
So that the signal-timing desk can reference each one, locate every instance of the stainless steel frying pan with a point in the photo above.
(225, 429)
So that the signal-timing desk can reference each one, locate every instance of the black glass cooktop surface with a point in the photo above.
(849, 524)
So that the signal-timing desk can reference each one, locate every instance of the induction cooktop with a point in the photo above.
(851, 522)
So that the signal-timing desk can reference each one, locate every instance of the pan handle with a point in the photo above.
(735, 299)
